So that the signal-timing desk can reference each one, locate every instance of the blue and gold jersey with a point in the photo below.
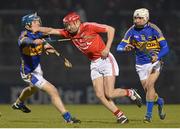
(147, 41)
(30, 52)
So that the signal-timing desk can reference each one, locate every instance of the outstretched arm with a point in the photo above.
(46, 30)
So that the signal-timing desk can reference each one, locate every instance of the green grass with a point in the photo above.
(92, 116)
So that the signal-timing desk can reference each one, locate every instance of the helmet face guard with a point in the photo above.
(28, 19)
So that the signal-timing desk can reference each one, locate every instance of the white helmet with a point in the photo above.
(142, 12)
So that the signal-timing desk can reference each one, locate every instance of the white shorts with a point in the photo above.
(104, 67)
(35, 78)
(145, 69)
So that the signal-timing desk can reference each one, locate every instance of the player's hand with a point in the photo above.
(67, 63)
(154, 58)
(129, 47)
(49, 49)
(38, 41)
(104, 53)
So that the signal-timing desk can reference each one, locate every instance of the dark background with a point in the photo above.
(75, 85)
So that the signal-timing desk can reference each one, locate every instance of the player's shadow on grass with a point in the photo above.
(135, 120)
(98, 121)
(109, 122)
(26, 121)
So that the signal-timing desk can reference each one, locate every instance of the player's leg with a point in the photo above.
(108, 103)
(26, 93)
(160, 103)
(110, 71)
(152, 95)
(55, 99)
(111, 92)
(149, 74)
(57, 102)
(143, 72)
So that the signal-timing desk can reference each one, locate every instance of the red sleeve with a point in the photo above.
(63, 33)
(97, 27)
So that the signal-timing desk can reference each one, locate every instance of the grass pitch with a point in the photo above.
(92, 116)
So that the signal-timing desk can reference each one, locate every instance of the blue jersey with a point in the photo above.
(147, 41)
(30, 52)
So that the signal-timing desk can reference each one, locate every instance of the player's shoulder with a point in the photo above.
(154, 27)
(93, 24)
(23, 34)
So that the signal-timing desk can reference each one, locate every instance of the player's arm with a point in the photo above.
(110, 36)
(46, 30)
(24, 39)
(102, 28)
(164, 49)
(125, 45)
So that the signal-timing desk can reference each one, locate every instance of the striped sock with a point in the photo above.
(128, 92)
(118, 113)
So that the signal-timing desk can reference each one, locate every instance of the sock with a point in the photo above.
(21, 103)
(159, 100)
(118, 113)
(149, 105)
(128, 92)
(67, 116)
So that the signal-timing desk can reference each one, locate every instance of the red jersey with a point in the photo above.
(91, 43)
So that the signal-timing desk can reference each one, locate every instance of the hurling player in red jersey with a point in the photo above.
(104, 68)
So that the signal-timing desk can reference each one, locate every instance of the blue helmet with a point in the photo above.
(27, 19)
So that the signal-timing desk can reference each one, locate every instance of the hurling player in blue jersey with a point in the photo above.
(31, 46)
(150, 46)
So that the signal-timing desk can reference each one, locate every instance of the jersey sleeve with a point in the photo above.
(127, 39)
(157, 32)
(127, 36)
(164, 49)
(99, 28)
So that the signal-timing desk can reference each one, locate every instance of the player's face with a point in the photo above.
(139, 21)
(72, 27)
(36, 23)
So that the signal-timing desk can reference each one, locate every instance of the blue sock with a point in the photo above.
(149, 105)
(67, 116)
(159, 101)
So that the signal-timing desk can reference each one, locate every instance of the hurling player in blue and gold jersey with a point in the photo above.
(150, 46)
(31, 45)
